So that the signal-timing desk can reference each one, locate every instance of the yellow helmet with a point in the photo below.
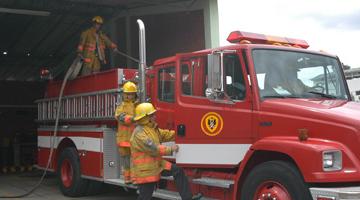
(129, 87)
(98, 19)
(143, 110)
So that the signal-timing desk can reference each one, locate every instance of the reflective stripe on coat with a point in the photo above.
(147, 151)
(124, 114)
(87, 44)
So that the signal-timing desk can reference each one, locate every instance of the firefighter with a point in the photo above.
(147, 152)
(124, 115)
(295, 85)
(284, 81)
(92, 47)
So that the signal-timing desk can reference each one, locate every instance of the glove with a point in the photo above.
(81, 56)
(175, 148)
(133, 119)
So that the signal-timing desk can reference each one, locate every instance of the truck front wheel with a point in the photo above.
(69, 174)
(275, 180)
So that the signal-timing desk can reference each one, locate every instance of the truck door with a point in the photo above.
(208, 130)
(164, 100)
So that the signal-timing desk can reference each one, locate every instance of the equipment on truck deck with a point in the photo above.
(76, 67)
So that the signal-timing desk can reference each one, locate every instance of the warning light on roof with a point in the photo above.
(255, 38)
(5, 53)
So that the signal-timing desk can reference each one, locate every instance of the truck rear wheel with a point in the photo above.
(69, 174)
(275, 180)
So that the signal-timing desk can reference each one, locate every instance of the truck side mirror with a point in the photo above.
(214, 76)
(214, 71)
(215, 90)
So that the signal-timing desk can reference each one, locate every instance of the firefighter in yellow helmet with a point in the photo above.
(124, 114)
(92, 47)
(146, 155)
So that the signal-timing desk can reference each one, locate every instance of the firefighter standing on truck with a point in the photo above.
(124, 115)
(146, 155)
(92, 47)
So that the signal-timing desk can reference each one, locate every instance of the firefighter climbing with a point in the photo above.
(147, 150)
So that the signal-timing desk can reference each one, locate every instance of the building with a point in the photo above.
(353, 80)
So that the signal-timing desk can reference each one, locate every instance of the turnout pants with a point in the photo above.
(125, 163)
(181, 181)
(91, 67)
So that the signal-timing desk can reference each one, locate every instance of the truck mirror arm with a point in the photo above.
(216, 95)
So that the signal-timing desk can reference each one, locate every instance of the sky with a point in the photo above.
(329, 25)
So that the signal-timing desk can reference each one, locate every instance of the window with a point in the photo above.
(186, 80)
(234, 79)
(195, 77)
(297, 75)
(166, 90)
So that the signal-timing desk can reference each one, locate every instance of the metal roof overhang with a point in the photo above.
(42, 33)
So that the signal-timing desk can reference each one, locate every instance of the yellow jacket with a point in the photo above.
(147, 151)
(124, 114)
(87, 46)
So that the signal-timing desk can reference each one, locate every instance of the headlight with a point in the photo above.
(332, 160)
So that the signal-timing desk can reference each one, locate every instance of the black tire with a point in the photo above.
(77, 186)
(275, 175)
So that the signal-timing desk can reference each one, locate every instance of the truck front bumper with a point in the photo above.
(338, 193)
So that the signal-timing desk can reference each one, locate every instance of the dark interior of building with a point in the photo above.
(45, 33)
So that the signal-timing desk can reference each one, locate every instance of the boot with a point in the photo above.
(196, 196)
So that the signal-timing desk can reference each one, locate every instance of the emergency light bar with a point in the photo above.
(255, 38)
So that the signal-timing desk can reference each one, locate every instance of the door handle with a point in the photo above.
(181, 129)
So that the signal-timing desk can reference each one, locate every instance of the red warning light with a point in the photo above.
(255, 38)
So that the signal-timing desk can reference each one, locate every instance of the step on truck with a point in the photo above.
(262, 119)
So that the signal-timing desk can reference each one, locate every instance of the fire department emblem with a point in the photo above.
(211, 124)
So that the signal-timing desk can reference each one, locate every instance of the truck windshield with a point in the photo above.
(291, 74)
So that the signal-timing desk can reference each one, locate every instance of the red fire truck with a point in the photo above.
(263, 118)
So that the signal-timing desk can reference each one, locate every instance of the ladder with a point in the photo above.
(98, 105)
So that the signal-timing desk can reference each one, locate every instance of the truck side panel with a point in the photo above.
(88, 144)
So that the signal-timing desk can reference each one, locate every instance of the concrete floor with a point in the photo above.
(15, 184)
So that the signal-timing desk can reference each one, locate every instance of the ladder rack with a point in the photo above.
(98, 105)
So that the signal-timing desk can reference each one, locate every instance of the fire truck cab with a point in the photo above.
(264, 118)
